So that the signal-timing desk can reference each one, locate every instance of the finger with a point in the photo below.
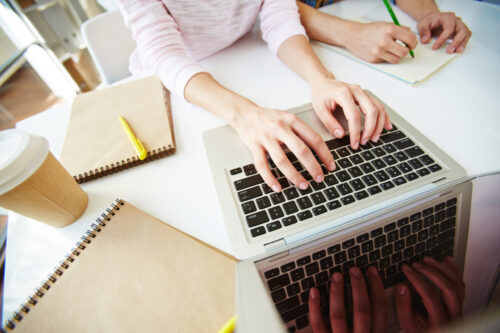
(404, 311)
(450, 263)
(387, 121)
(315, 317)
(360, 302)
(370, 111)
(400, 51)
(285, 166)
(260, 159)
(390, 57)
(429, 297)
(337, 305)
(405, 35)
(461, 34)
(313, 140)
(352, 115)
(448, 289)
(424, 31)
(378, 301)
(306, 157)
(450, 270)
(448, 30)
(325, 114)
(461, 47)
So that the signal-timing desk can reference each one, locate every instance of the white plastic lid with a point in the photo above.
(21, 154)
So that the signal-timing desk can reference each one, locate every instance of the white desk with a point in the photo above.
(457, 108)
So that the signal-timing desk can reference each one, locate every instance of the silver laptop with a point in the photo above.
(400, 166)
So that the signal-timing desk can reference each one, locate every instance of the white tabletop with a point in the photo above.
(457, 108)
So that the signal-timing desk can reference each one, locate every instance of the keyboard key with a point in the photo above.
(288, 267)
(304, 215)
(344, 163)
(319, 210)
(249, 194)
(356, 159)
(379, 164)
(256, 219)
(343, 176)
(263, 202)
(367, 155)
(399, 245)
(291, 193)
(257, 231)
(399, 181)
(290, 207)
(393, 172)
(306, 175)
(392, 136)
(389, 148)
(321, 278)
(347, 200)
(374, 190)
(404, 143)
(283, 182)
(312, 268)
(367, 167)
(392, 236)
(319, 255)
(423, 172)
(298, 166)
(333, 249)
(426, 159)
(340, 257)
(326, 263)
(248, 207)
(369, 180)
(355, 172)
(411, 176)
(289, 220)
(302, 322)
(357, 184)
(318, 198)
(451, 202)
(277, 198)
(400, 156)
(404, 167)
(273, 226)
(330, 180)
(435, 167)
(250, 172)
(295, 313)
(374, 255)
(387, 250)
(380, 241)
(379, 152)
(275, 212)
(390, 160)
(367, 246)
(288, 304)
(307, 283)
(278, 295)
(362, 261)
(331, 193)
(404, 231)
(272, 273)
(318, 186)
(361, 195)
(248, 182)
(235, 171)
(304, 202)
(415, 163)
(297, 274)
(333, 205)
(381, 175)
(354, 252)
(414, 151)
(343, 152)
(266, 189)
(404, 221)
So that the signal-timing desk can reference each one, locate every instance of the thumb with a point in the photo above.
(406, 318)
(424, 31)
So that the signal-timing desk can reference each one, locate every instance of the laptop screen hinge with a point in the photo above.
(275, 245)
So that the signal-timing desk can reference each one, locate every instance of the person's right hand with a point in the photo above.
(441, 309)
(376, 42)
(266, 130)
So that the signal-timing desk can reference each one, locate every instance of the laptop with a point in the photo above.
(399, 167)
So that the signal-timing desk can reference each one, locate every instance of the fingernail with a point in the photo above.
(332, 166)
(390, 126)
(356, 146)
(303, 186)
(337, 133)
(314, 293)
(376, 137)
(319, 179)
(363, 141)
(407, 268)
(460, 49)
(452, 49)
(372, 270)
(417, 265)
(337, 277)
(401, 289)
(355, 271)
(276, 188)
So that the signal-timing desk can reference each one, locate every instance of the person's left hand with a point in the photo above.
(444, 26)
(369, 306)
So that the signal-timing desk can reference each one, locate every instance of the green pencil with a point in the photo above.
(396, 22)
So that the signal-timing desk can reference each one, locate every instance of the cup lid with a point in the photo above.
(21, 154)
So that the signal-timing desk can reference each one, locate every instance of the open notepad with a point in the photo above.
(96, 144)
(409, 70)
(133, 273)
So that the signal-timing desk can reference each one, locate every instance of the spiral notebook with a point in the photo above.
(133, 273)
(96, 144)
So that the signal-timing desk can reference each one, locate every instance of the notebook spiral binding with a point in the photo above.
(65, 264)
(124, 164)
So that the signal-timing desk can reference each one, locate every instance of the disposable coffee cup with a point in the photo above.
(33, 182)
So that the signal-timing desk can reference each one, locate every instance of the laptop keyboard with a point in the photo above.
(427, 232)
(372, 169)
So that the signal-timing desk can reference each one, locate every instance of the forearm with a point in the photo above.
(297, 54)
(418, 8)
(203, 90)
(323, 27)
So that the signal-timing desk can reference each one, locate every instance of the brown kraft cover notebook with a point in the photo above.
(96, 144)
(133, 273)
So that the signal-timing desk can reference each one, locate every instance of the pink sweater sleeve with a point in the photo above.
(279, 20)
(159, 43)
